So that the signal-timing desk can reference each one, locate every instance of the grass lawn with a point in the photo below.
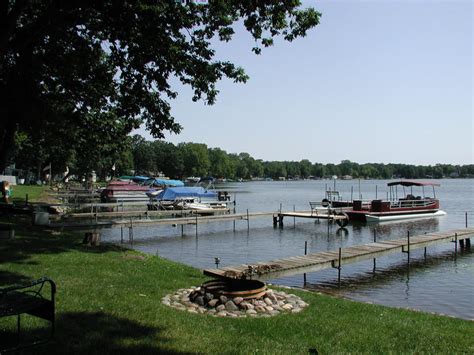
(108, 300)
(34, 192)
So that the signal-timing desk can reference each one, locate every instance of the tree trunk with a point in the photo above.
(7, 140)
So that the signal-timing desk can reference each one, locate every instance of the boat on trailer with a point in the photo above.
(408, 206)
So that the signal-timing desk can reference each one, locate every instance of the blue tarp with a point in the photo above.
(167, 182)
(172, 193)
(146, 180)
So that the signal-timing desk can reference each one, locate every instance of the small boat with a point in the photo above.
(186, 198)
(135, 188)
(408, 206)
(124, 191)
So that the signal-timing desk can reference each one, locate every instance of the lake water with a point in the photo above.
(443, 282)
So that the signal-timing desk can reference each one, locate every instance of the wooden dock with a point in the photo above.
(335, 259)
(178, 220)
(121, 219)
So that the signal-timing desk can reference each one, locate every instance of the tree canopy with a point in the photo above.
(77, 76)
(196, 159)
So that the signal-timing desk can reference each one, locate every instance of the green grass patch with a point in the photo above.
(109, 300)
(34, 192)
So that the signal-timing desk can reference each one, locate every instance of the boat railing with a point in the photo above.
(411, 203)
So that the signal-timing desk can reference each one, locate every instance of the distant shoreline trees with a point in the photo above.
(193, 159)
(141, 157)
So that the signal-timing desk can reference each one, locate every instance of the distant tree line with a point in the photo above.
(135, 155)
(196, 159)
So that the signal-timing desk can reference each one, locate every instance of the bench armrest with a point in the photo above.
(33, 283)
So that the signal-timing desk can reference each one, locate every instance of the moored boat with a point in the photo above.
(187, 198)
(408, 206)
(135, 188)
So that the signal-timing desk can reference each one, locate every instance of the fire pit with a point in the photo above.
(234, 298)
(232, 288)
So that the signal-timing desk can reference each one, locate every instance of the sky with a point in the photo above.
(376, 82)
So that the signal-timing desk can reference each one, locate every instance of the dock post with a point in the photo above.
(294, 218)
(196, 225)
(121, 234)
(234, 224)
(304, 279)
(280, 220)
(182, 230)
(468, 243)
(466, 219)
(339, 269)
(408, 248)
(455, 243)
(130, 233)
(374, 259)
(408, 254)
(305, 247)
(248, 220)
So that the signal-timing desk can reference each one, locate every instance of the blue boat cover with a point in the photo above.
(167, 182)
(172, 193)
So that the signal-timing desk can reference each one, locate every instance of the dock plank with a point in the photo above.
(325, 259)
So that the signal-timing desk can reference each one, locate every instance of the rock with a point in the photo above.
(223, 299)
(238, 300)
(208, 296)
(296, 310)
(245, 305)
(260, 309)
(269, 308)
(199, 300)
(192, 310)
(220, 307)
(274, 312)
(268, 301)
(287, 307)
(232, 315)
(221, 314)
(251, 311)
(230, 306)
(272, 296)
(213, 302)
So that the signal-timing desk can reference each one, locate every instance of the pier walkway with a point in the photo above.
(335, 259)
(123, 219)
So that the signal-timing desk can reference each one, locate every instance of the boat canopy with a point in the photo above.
(165, 182)
(173, 193)
(137, 179)
(412, 183)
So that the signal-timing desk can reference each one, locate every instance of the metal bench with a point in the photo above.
(28, 299)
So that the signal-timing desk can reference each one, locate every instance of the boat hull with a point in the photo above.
(381, 218)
